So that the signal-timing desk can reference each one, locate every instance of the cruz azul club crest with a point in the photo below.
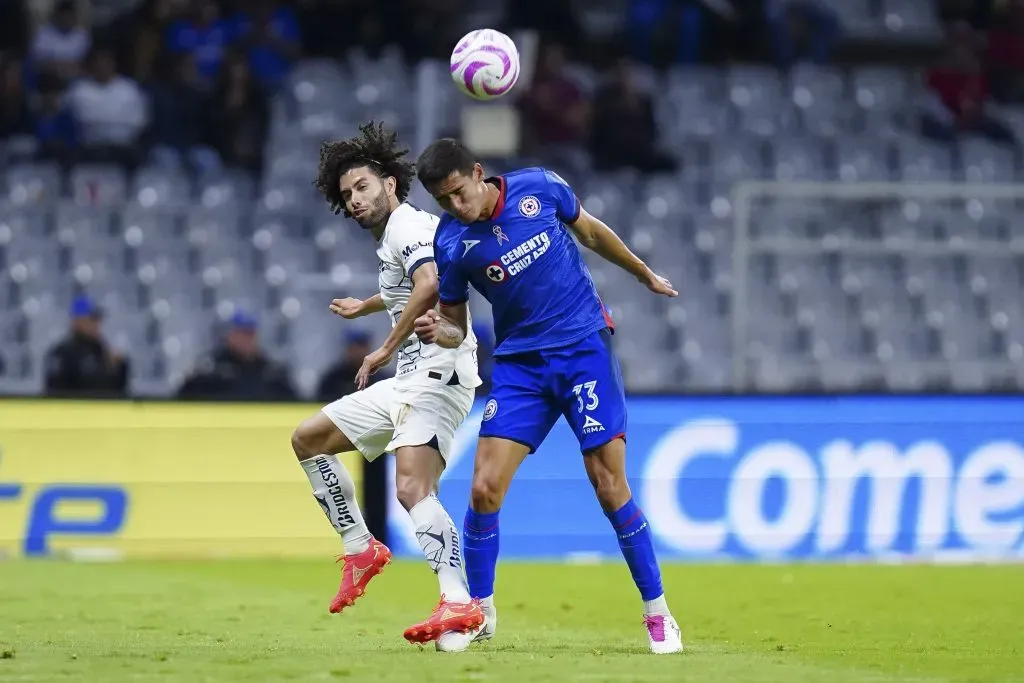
(529, 206)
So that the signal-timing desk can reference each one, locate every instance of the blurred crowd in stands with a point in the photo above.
(186, 84)
(84, 364)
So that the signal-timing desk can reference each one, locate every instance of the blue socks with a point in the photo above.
(480, 551)
(637, 547)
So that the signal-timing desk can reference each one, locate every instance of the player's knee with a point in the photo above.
(610, 485)
(299, 444)
(306, 441)
(486, 494)
(612, 493)
(411, 490)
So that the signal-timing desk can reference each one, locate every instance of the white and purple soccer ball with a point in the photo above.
(485, 64)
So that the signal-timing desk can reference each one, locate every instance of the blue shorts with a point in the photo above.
(581, 381)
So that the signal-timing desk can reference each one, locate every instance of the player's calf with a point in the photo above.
(315, 443)
(497, 460)
(606, 468)
(418, 469)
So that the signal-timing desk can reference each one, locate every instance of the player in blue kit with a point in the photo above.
(507, 237)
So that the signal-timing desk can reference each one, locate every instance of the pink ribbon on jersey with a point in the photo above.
(502, 237)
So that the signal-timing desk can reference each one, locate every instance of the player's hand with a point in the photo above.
(659, 285)
(426, 327)
(371, 364)
(347, 308)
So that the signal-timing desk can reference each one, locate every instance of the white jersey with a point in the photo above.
(408, 243)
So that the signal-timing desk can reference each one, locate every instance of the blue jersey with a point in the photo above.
(525, 263)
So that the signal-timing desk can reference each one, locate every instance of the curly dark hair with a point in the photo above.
(374, 148)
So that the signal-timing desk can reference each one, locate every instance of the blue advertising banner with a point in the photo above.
(847, 478)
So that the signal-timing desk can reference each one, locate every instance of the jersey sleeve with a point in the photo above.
(452, 285)
(567, 204)
(413, 242)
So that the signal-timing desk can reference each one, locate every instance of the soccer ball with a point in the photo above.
(485, 64)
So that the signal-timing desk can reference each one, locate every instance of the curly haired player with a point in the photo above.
(414, 414)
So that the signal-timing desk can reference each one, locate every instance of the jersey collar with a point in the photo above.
(499, 205)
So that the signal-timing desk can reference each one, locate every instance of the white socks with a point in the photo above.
(657, 606)
(334, 489)
(439, 540)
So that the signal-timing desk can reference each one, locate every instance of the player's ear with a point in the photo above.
(478, 172)
(390, 185)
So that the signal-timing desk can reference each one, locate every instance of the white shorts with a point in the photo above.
(382, 417)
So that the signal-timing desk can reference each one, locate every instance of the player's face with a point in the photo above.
(366, 197)
(463, 196)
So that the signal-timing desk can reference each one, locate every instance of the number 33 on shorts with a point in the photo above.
(585, 396)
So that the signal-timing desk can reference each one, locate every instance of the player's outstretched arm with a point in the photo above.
(446, 328)
(350, 307)
(602, 240)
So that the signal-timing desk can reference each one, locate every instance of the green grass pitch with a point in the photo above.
(267, 621)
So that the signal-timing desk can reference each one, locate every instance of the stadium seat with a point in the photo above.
(156, 188)
(32, 184)
(98, 185)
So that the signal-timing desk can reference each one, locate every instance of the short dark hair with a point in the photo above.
(374, 148)
(442, 158)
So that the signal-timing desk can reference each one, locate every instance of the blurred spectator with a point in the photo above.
(204, 35)
(340, 379)
(241, 116)
(181, 120)
(960, 92)
(82, 364)
(678, 23)
(624, 132)
(1006, 55)
(555, 109)
(271, 34)
(239, 370)
(62, 43)
(110, 112)
(801, 30)
(138, 38)
(15, 118)
(56, 135)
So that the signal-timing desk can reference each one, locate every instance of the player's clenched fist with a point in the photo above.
(426, 327)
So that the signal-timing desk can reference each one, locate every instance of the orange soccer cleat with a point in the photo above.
(357, 572)
(448, 616)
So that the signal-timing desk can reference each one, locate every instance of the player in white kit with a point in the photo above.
(414, 414)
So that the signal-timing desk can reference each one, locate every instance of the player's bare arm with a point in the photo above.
(351, 308)
(446, 328)
(602, 240)
(422, 299)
